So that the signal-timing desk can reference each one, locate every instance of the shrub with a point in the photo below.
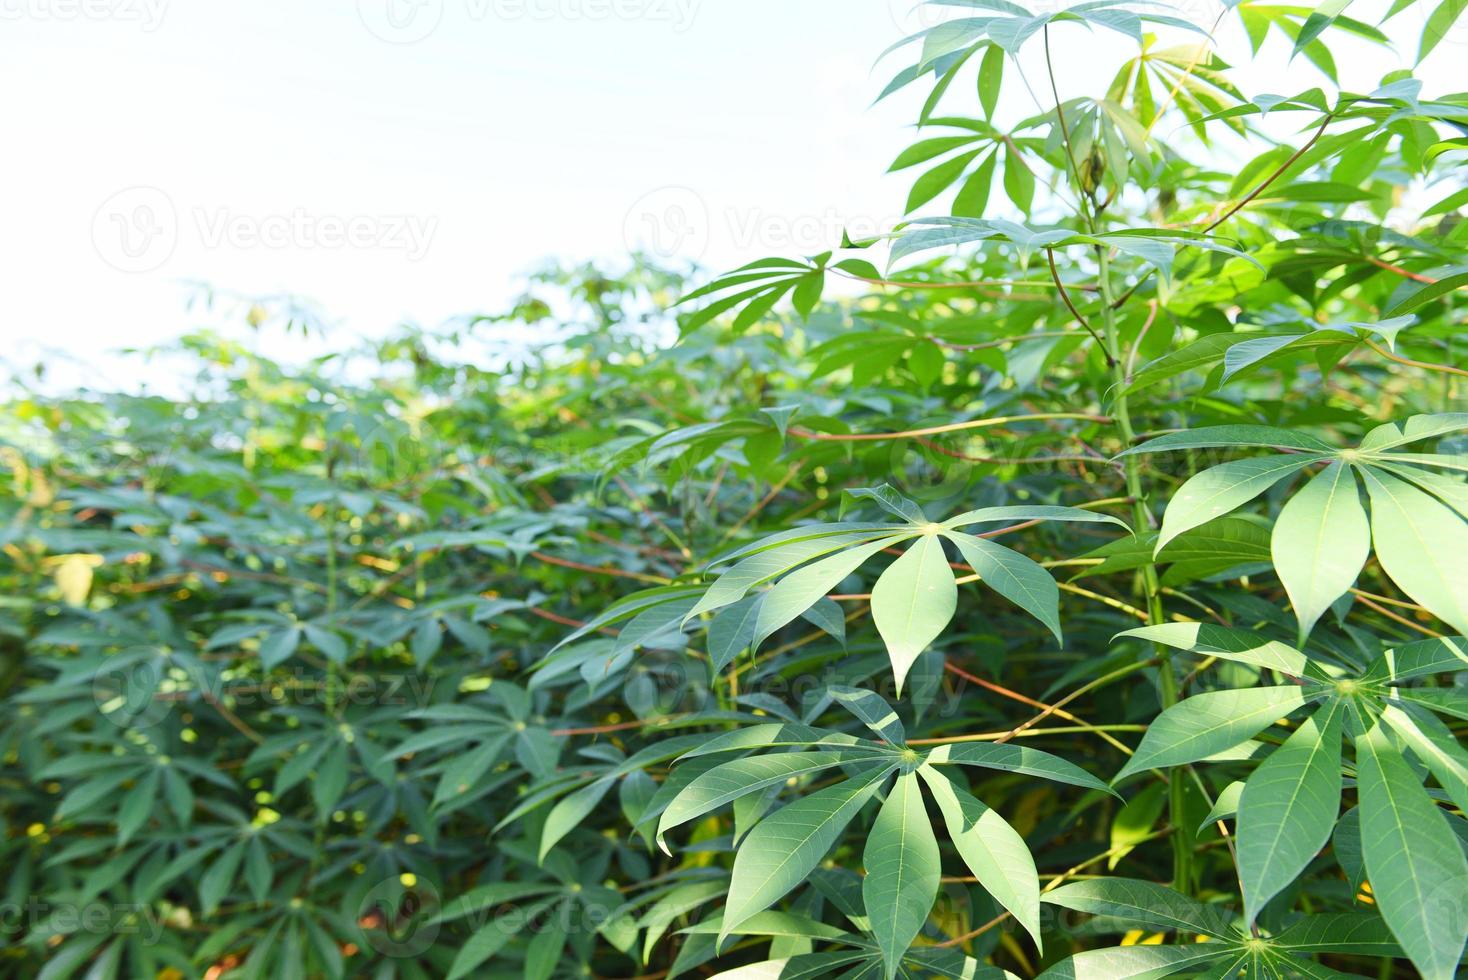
(1084, 600)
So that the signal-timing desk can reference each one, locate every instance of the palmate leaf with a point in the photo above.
(1417, 526)
(1288, 808)
(731, 780)
(993, 850)
(1418, 874)
(913, 601)
(775, 857)
(1320, 543)
(1142, 903)
(1223, 489)
(1206, 724)
(902, 867)
(782, 848)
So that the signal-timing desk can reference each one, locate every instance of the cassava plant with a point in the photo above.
(1081, 593)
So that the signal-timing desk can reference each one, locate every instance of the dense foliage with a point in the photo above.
(1083, 600)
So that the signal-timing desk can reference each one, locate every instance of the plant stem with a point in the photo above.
(1182, 850)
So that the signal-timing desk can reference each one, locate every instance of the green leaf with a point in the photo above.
(936, 180)
(218, 878)
(1288, 809)
(1416, 865)
(1226, 643)
(466, 770)
(278, 646)
(782, 848)
(1443, 286)
(1143, 903)
(1423, 658)
(1356, 933)
(903, 868)
(1218, 436)
(1320, 543)
(991, 77)
(1208, 723)
(1006, 515)
(1014, 758)
(490, 939)
(991, 848)
(1434, 744)
(732, 631)
(1134, 962)
(731, 780)
(873, 710)
(1219, 490)
(913, 601)
(568, 813)
(798, 591)
(1019, 579)
(1420, 543)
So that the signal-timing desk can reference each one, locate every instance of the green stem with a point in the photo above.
(1182, 853)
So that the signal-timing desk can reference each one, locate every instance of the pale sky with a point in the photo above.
(409, 159)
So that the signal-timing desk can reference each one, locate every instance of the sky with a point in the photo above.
(411, 160)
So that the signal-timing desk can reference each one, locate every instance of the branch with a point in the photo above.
(1274, 176)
